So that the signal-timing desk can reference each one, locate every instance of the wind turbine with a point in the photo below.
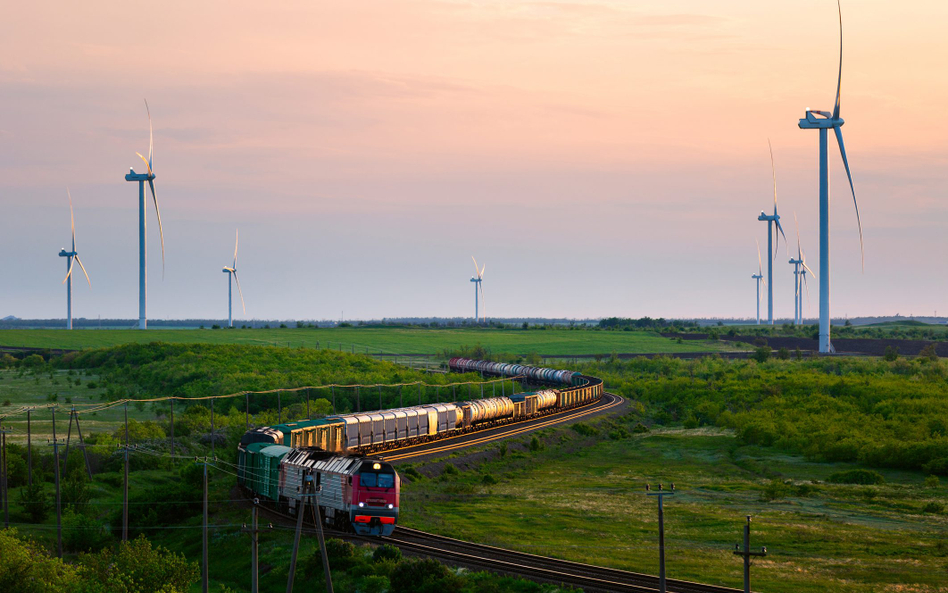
(823, 121)
(759, 276)
(141, 178)
(799, 277)
(232, 273)
(70, 255)
(773, 226)
(477, 279)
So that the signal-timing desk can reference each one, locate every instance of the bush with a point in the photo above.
(535, 444)
(35, 502)
(933, 507)
(449, 469)
(762, 354)
(82, 533)
(783, 354)
(931, 482)
(639, 428)
(857, 476)
(584, 429)
(937, 466)
(774, 490)
(387, 552)
(488, 479)
(891, 354)
(423, 575)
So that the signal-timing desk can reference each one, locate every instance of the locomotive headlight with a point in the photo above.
(376, 466)
(361, 504)
(391, 506)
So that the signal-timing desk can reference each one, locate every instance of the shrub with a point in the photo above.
(387, 552)
(929, 353)
(535, 444)
(423, 575)
(449, 469)
(762, 354)
(489, 479)
(931, 482)
(933, 507)
(783, 354)
(584, 429)
(891, 353)
(639, 428)
(35, 501)
(857, 476)
(937, 466)
(774, 490)
(82, 533)
(502, 449)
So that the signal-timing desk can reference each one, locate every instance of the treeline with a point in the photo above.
(881, 413)
(622, 323)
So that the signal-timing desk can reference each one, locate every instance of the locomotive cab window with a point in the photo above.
(373, 480)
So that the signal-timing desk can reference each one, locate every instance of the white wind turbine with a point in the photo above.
(773, 226)
(759, 277)
(478, 287)
(799, 278)
(70, 256)
(232, 273)
(823, 121)
(141, 178)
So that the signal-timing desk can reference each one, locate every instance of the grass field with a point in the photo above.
(373, 340)
(588, 503)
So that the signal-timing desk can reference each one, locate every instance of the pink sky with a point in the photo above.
(367, 149)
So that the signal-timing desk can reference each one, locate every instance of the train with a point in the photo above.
(362, 493)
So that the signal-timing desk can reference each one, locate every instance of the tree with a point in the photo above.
(26, 567)
(137, 567)
(762, 354)
(35, 501)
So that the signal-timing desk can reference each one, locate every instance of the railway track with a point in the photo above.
(541, 568)
(609, 401)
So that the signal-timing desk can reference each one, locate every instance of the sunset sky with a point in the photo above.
(600, 157)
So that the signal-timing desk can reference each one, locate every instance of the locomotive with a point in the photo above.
(362, 493)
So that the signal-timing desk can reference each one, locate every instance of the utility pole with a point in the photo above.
(254, 546)
(82, 445)
(172, 430)
(319, 535)
(4, 479)
(661, 494)
(125, 486)
(204, 585)
(212, 428)
(29, 448)
(746, 553)
(300, 510)
(59, 506)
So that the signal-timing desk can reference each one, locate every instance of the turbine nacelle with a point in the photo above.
(826, 120)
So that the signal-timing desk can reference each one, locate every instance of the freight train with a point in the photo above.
(362, 492)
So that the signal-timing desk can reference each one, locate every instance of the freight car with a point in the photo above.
(353, 492)
(363, 493)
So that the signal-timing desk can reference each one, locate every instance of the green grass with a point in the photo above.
(34, 390)
(562, 342)
(588, 504)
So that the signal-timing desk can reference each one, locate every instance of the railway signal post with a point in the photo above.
(661, 494)
(746, 553)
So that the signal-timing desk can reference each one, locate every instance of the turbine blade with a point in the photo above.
(147, 164)
(773, 171)
(839, 80)
(161, 232)
(760, 268)
(842, 152)
(72, 220)
(481, 275)
(79, 261)
(779, 227)
(240, 292)
(236, 238)
(475, 266)
(69, 271)
(797, 223)
(151, 138)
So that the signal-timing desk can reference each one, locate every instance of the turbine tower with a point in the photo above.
(824, 121)
(477, 279)
(70, 256)
(773, 226)
(141, 178)
(759, 276)
(799, 277)
(232, 273)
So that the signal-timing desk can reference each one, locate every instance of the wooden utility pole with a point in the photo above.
(172, 430)
(300, 510)
(204, 584)
(254, 548)
(29, 448)
(4, 479)
(319, 535)
(82, 445)
(212, 428)
(661, 494)
(59, 506)
(125, 485)
(747, 554)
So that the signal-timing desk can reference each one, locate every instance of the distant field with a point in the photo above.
(374, 340)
